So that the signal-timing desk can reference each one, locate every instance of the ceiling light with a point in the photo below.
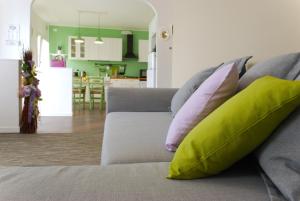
(99, 41)
(79, 40)
(126, 32)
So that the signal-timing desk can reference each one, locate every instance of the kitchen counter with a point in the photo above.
(129, 78)
(125, 78)
(124, 83)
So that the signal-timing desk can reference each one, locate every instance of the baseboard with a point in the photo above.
(10, 130)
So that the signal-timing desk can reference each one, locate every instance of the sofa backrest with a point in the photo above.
(284, 66)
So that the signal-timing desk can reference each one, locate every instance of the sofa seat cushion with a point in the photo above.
(135, 137)
(127, 182)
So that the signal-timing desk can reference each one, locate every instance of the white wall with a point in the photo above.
(17, 13)
(9, 100)
(209, 32)
(164, 52)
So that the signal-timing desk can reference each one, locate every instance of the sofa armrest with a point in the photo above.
(139, 100)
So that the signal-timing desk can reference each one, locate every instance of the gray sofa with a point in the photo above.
(134, 162)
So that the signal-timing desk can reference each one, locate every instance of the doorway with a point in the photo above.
(65, 25)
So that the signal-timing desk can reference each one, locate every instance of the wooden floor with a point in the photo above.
(73, 140)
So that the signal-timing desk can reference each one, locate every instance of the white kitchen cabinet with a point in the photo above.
(110, 50)
(91, 50)
(76, 50)
(103, 50)
(115, 49)
(143, 50)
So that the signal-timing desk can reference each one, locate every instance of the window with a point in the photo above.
(42, 53)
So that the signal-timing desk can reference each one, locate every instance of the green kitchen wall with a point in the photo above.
(58, 36)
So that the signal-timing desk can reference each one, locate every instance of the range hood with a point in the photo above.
(129, 54)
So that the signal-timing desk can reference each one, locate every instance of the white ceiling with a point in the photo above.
(124, 14)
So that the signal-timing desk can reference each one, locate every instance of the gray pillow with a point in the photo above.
(241, 64)
(189, 88)
(279, 157)
(284, 66)
(184, 93)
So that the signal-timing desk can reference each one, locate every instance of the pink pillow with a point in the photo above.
(212, 93)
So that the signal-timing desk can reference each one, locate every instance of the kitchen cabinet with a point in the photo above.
(91, 51)
(116, 49)
(103, 51)
(76, 50)
(143, 50)
(110, 50)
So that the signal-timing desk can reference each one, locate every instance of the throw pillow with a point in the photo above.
(189, 88)
(279, 157)
(213, 92)
(240, 64)
(183, 94)
(284, 67)
(235, 129)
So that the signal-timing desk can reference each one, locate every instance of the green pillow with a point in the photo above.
(235, 129)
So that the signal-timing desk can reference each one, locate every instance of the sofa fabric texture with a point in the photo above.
(279, 157)
(274, 193)
(139, 100)
(226, 136)
(133, 182)
(135, 137)
(284, 67)
(213, 92)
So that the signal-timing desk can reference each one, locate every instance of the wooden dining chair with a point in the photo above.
(79, 90)
(96, 89)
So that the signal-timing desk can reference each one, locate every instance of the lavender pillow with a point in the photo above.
(213, 92)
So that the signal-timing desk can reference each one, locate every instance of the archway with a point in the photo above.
(25, 6)
(52, 28)
(162, 10)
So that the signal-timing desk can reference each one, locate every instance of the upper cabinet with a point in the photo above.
(91, 51)
(143, 50)
(110, 50)
(76, 50)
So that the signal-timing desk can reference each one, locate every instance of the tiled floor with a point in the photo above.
(62, 141)
(55, 125)
(83, 121)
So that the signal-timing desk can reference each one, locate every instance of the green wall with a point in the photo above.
(58, 36)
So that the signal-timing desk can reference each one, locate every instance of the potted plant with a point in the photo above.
(59, 49)
(31, 94)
